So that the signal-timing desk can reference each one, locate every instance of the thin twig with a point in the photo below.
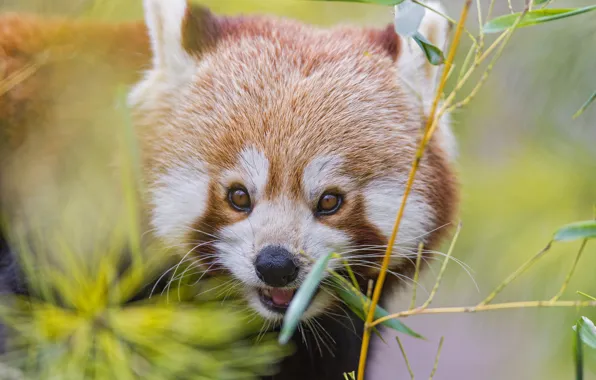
(490, 67)
(481, 308)
(427, 135)
(586, 295)
(515, 275)
(481, 35)
(432, 374)
(403, 353)
(443, 268)
(570, 274)
(416, 275)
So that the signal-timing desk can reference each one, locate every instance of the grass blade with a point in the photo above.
(502, 23)
(357, 304)
(302, 299)
(576, 231)
(585, 105)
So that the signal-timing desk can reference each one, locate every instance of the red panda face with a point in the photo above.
(268, 144)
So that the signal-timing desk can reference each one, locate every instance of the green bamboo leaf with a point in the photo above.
(575, 231)
(355, 302)
(379, 2)
(434, 55)
(585, 105)
(538, 2)
(587, 331)
(535, 17)
(302, 299)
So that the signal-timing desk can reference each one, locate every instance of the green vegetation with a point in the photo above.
(523, 176)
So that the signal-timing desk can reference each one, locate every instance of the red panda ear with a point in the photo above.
(421, 77)
(200, 30)
(178, 32)
(413, 66)
(389, 41)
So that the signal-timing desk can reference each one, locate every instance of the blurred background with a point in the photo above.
(526, 168)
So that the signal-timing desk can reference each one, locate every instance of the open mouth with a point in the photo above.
(276, 299)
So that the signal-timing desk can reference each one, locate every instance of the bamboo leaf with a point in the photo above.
(434, 55)
(585, 105)
(576, 231)
(587, 331)
(535, 17)
(356, 302)
(302, 299)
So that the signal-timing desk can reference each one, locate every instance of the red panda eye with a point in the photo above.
(329, 204)
(239, 199)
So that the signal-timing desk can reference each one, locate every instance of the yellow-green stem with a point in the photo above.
(480, 308)
(403, 353)
(443, 268)
(427, 135)
(416, 275)
(515, 275)
(570, 274)
(434, 370)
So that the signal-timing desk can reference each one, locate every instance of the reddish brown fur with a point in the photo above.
(310, 111)
(297, 104)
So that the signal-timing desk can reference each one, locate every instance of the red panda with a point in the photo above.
(265, 138)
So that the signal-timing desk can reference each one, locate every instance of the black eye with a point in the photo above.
(329, 203)
(239, 199)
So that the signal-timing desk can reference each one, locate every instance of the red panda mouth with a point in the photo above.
(276, 299)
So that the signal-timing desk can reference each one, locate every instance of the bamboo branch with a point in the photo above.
(426, 138)
(443, 268)
(479, 308)
(570, 274)
(434, 370)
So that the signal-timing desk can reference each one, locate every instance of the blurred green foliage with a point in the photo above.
(526, 168)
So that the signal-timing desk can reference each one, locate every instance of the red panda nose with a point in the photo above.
(275, 267)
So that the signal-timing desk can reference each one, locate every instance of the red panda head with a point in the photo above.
(265, 138)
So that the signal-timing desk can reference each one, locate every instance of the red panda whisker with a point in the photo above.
(205, 272)
(331, 340)
(333, 316)
(314, 334)
(318, 328)
(185, 256)
(301, 329)
(409, 281)
(162, 276)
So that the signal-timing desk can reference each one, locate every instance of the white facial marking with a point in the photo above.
(383, 198)
(252, 171)
(179, 198)
(323, 172)
(284, 222)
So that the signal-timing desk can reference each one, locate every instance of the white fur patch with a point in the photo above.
(280, 222)
(323, 172)
(383, 199)
(164, 20)
(179, 198)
